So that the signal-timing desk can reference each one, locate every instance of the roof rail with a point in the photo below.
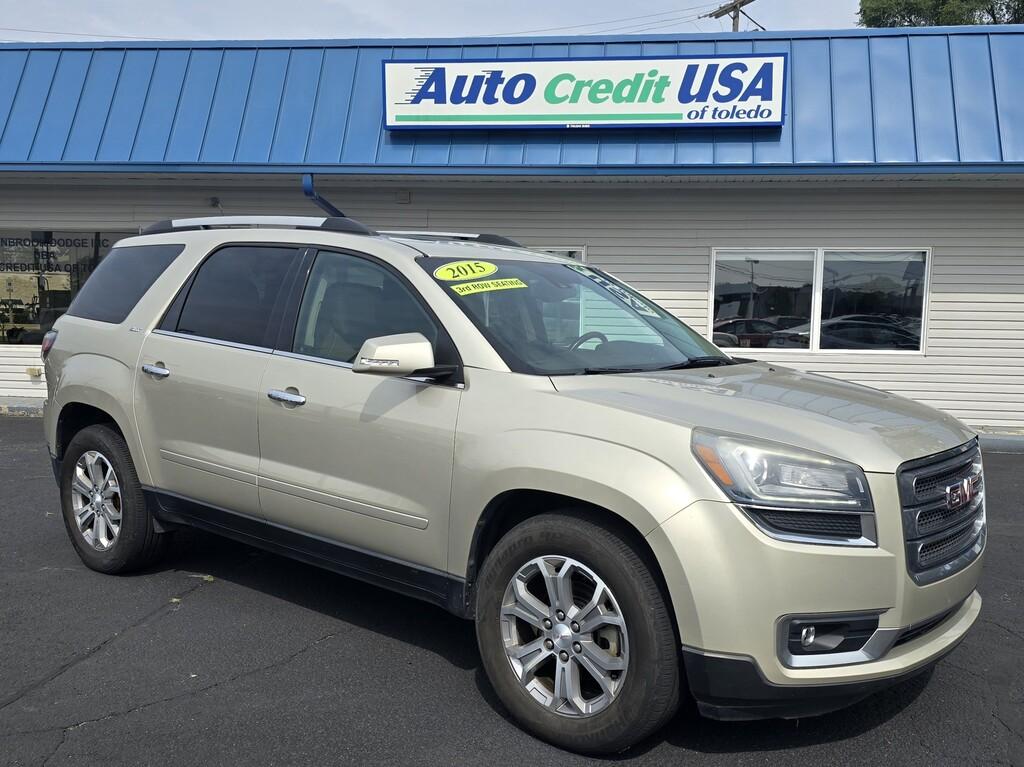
(329, 223)
(490, 239)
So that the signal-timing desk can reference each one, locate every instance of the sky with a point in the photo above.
(254, 19)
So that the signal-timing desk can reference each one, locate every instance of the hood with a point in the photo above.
(873, 429)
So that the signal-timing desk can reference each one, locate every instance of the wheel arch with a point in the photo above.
(512, 507)
(75, 416)
(79, 407)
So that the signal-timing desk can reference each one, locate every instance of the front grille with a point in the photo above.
(940, 550)
(939, 516)
(810, 523)
(934, 485)
(943, 508)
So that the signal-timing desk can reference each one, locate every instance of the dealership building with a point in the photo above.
(847, 202)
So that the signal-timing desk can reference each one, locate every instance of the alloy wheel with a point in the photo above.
(565, 636)
(96, 500)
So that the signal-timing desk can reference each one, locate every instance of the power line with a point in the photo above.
(733, 9)
(656, 25)
(753, 20)
(605, 21)
(79, 34)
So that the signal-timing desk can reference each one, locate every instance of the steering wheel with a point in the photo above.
(587, 337)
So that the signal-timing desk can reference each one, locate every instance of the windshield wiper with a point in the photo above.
(701, 362)
(609, 371)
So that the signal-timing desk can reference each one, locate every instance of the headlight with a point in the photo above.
(762, 474)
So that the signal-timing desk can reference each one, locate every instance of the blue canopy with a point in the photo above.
(932, 100)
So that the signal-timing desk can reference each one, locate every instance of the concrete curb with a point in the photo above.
(1002, 443)
(31, 407)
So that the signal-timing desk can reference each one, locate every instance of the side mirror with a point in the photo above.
(398, 355)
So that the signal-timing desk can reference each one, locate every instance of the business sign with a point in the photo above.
(683, 91)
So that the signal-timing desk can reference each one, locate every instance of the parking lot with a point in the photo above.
(227, 655)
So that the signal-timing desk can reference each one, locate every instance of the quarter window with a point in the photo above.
(350, 299)
(121, 279)
(234, 292)
(848, 300)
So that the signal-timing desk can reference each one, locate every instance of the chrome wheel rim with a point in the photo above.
(96, 500)
(565, 636)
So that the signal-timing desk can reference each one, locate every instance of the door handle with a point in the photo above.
(287, 397)
(156, 371)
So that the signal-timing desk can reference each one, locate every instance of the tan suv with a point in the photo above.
(628, 514)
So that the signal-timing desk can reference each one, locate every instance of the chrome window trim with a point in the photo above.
(311, 358)
(869, 530)
(214, 341)
(349, 366)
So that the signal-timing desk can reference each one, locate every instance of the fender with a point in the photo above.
(641, 489)
(77, 384)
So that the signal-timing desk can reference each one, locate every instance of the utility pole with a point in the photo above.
(733, 9)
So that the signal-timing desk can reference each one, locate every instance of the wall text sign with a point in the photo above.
(685, 91)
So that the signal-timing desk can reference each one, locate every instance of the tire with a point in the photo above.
(646, 691)
(135, 544)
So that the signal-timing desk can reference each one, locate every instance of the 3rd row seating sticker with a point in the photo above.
(464, 270)
(486, 286)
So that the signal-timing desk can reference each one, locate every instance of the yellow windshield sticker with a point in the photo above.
(457, 271)
(486, 286)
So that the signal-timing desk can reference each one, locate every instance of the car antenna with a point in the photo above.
(309, 189)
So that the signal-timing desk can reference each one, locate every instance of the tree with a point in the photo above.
(926, 13)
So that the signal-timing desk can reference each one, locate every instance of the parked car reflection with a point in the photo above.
(748, 332)
(854, 331)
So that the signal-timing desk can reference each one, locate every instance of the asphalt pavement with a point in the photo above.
(227, 655)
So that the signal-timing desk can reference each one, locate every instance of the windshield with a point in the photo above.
(550, 318)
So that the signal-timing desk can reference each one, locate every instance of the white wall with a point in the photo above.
(659, 237)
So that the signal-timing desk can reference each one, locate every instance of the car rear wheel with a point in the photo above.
(575, 634)
(103, 505)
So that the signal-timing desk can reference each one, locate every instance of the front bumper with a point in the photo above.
(732, 688)
(733, 588)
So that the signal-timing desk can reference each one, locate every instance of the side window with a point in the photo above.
(233, 294)
(121, 279)
(350, 299)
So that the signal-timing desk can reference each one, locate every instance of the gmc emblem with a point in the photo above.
(959, 494)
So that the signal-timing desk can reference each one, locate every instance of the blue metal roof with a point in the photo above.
(859, 101)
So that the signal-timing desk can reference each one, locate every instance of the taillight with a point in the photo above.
(48, 341)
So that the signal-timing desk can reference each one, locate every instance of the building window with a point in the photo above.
(819, 299)
(40, 272)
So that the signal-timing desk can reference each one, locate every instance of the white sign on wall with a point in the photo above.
(685, 91)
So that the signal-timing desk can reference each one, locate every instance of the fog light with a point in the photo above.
(817, 636)
(807, 636)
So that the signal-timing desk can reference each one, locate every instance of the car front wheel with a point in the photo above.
(575, 634)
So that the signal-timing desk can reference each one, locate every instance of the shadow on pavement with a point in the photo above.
(336, 596)
(430, 628)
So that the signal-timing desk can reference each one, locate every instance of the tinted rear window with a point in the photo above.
(121, 279)
(234, 294)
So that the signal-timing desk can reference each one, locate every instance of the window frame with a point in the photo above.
(817, 290)
(168, 324)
